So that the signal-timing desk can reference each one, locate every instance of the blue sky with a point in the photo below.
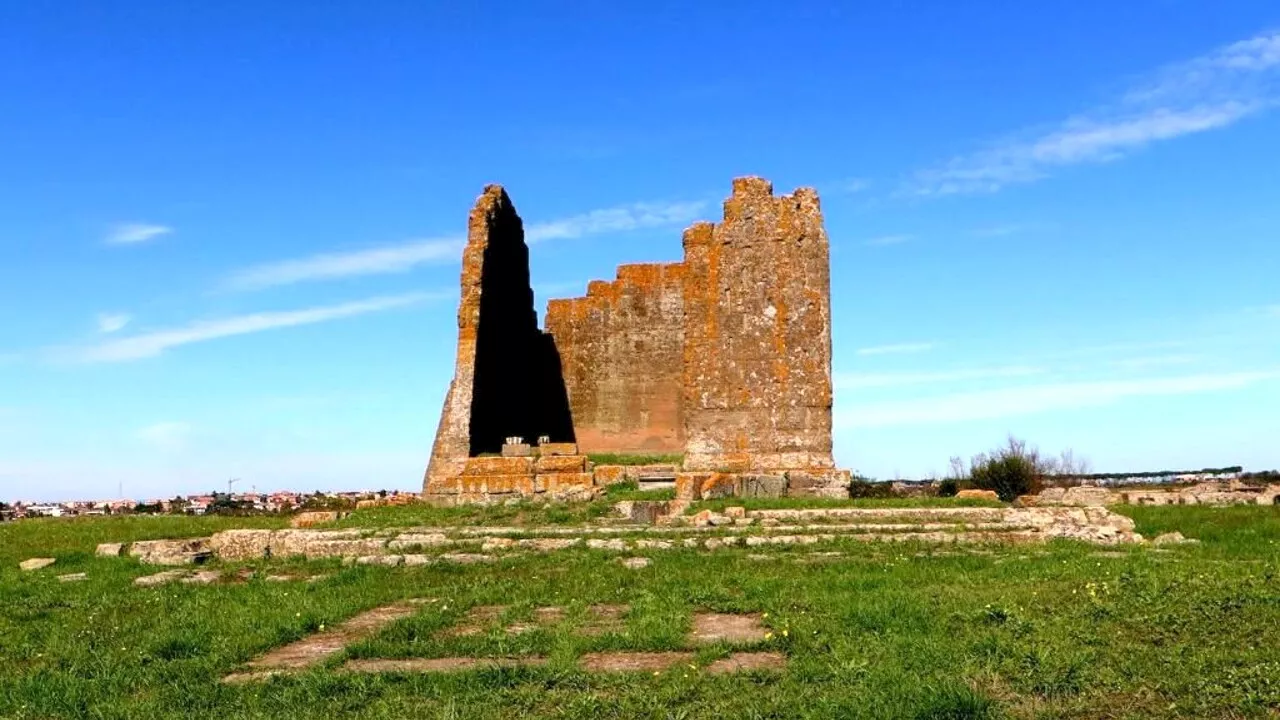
(229, 240)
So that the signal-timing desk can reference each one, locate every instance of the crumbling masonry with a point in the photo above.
(724, 358)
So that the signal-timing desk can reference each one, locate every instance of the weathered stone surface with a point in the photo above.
(1088, 496)
(36, 563)
(109, 550)
(735, 512)
(768, 486)
(1170, 538)
(171, 552)
(621, 348)
(550, 449)
(576, 464)
(440, 665)
(241, 544)
(517, 450)
(611, 544)
(757, 335)
(315, 517)
(977, 495)
(820, 483)
(634, 563)
(606, 475)
(160, 578)
(73, 577)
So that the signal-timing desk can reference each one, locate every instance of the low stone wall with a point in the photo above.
(1228, 493)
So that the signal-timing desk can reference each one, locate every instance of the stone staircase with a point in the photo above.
(707, 530)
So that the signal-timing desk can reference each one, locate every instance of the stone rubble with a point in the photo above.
(36, 564)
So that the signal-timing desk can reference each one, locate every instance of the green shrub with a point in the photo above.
(1009, 474)
(864, 489)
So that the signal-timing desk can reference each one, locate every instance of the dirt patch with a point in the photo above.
(440, 665)
(711, 628)
(634, 661)
(542, 617)
(316, 648)
(748, 662)
(476, 620)
(604, 619)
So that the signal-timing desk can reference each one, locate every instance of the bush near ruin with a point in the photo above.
(1016, 468)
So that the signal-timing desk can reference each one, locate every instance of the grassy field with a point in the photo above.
(880, 631)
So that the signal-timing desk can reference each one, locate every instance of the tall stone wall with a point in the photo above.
(621, 350)
(507, 376)
(757, 335)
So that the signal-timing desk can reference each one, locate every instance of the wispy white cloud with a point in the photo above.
(1274, 310)
(165, 435)
(403, 257)
(135, 233)
(382, 260)
(865, 381)
(886, 240)
(154, 343)
(1205, 93)
(1016, 401)
(898, 349)
(848, 186)
(112, 322)
(620, 219)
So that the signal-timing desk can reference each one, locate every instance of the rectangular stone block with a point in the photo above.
(496, 485)
(518, 450)
(498, 466)
(719, 485)
(345, 548)
(830, 484)
(553, 449)
(241, 544)
(689, 485)
(557, 482)
(606, 475)
(765, 486)
(561, 464)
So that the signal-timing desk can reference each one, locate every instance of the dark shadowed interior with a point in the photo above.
(519, 388)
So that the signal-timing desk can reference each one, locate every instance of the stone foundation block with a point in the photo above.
(556, 483)
(496, 485)
(561, 464)
(719, 485)
(606, 475)
(768, 486)
(556, 449)
(689, 484)
(822, 483)
(517, 451)
(171, 552)
(498, 466)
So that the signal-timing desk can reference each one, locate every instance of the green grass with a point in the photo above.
(635, 459)
(1064, 630)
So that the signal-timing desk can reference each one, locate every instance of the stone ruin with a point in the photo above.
(723, 358)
